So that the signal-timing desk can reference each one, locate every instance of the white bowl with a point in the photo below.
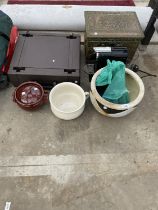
(67, 100)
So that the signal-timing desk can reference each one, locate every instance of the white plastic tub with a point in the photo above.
(67, 100)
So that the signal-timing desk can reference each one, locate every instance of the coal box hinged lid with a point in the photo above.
(112, 25)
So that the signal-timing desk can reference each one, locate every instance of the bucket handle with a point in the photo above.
(87, 95)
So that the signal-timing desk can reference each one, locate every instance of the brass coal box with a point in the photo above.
(112, 29)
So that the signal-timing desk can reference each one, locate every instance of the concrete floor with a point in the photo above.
(92, 162)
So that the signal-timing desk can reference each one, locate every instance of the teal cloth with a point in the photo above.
(113, 75)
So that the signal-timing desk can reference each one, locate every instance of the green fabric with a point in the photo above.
(5, 27)
(113, 75)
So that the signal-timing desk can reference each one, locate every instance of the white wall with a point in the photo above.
(58, 17)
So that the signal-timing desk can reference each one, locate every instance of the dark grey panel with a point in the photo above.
(74, 53)
(45, 52)
(17, 53)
